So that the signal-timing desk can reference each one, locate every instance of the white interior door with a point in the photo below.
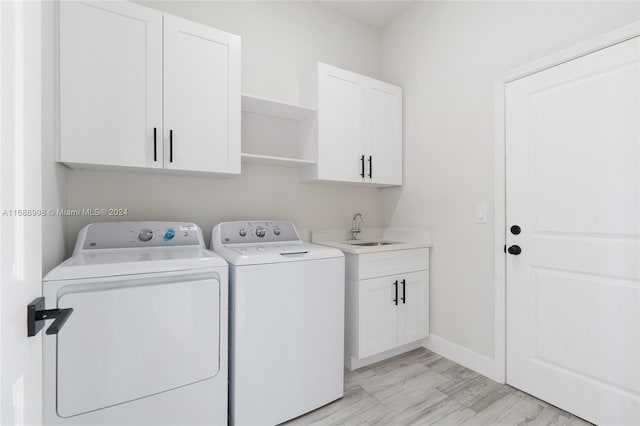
(20, 193)
(383, 133)
(573, 186)
(201, 98)
(110, 83)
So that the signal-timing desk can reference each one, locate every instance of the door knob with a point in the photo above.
(514, 250)
(515, 230)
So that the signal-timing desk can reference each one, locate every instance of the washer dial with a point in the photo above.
(145, 235)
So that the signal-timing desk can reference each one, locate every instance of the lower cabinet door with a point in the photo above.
(377, 316)
(413, 311)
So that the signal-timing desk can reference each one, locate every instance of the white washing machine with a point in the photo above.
(146, 342)
(286, 321)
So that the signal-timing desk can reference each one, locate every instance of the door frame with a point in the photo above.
(500, 231)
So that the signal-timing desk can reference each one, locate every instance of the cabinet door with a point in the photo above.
(383, 134)
(413, 311)
(201, 98)
(341, 124)
(377, 316)
(110, 84)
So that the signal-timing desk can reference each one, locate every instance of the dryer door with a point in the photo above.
(132, 337)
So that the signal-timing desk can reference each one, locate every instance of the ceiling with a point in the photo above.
(378, 14)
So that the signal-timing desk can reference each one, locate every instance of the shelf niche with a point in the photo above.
(280, 110)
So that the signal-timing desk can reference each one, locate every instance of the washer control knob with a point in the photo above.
(276, 230)
(169, 234)
(260, 232)
(145, 235)
(243, 232)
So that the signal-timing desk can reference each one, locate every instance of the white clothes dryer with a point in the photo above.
(146, 343)
(286, 321)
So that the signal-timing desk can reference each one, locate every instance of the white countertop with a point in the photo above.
(403, 238)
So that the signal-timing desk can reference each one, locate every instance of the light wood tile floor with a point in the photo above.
(423, 388)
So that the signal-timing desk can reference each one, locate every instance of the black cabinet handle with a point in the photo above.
(515, 230)
(171, 146)
(514, 250)
(370, 167)
(395, 285)
(37, 315)
(155, 144)
(404, 291)
(362, 165)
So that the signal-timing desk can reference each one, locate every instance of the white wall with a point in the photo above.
(53, 175)
(446, 56)
(280, 40)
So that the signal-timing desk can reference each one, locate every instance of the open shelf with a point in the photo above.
(278, 109)
(275, 161)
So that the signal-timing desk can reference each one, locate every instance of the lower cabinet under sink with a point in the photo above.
(387, 303)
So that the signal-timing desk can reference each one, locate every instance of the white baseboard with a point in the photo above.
(472, 360)
(354, 363)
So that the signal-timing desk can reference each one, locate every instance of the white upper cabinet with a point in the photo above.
(383, 132)
(202, 97)
(357, 134)
(341, 96)
(110, 83)
(139, 88)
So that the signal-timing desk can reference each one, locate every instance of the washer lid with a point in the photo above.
(112, 262)
(255, 254)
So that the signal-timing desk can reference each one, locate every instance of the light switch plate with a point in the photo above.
(481, 213)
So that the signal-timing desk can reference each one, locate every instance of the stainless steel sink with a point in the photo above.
(370, 243)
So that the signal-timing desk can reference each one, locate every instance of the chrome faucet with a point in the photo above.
(355, 226)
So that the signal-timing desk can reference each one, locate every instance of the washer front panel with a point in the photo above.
(132, 338)
(287, 325)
